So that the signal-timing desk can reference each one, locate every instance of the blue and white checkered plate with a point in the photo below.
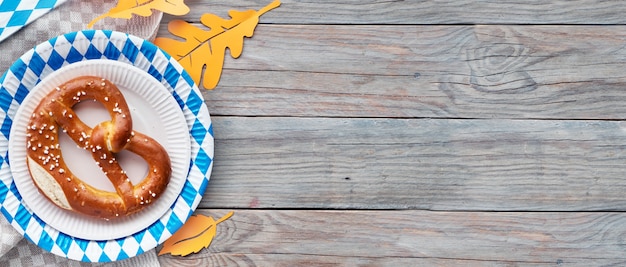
(95, 45)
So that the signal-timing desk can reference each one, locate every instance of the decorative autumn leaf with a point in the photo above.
(126, 8)
(207, 48)
(197, 233)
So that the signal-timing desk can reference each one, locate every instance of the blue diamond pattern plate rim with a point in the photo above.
(60, 51)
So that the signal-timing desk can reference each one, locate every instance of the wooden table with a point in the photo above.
(412, 133)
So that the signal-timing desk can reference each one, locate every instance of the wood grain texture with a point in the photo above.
(385, 238)
(486, 72)
(423, 12)
(420, 133)
(417, 164)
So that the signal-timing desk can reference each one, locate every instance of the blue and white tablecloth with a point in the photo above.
(15, 14)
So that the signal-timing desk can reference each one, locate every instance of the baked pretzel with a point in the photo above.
(55, 180)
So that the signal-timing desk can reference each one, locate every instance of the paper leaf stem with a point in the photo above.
(197, 233)
(206, 48)
(126, 8)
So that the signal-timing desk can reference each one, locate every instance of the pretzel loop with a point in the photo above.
(50, 172)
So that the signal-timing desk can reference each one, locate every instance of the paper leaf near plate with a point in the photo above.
(206, 48)
(197, 233)
(126, 8)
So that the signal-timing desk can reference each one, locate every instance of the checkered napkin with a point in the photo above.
(71, 16)
(15, 14)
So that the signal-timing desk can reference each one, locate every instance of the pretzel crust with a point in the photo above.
(55, 180)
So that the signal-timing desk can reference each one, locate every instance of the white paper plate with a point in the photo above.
(154, 113)
(69, 49)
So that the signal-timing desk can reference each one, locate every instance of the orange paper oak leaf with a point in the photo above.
(126, 8)
(206, 48)
(196, 234)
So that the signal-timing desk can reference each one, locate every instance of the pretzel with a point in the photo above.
(55, 180)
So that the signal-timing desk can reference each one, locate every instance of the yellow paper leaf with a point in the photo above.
(197, 233)
(126, 8)
(206, 48)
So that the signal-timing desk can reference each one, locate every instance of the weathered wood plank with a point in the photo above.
(287, 137)
(423, 12)
(289, 260)
(418, 164)
(570, 72)
(385, 238)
